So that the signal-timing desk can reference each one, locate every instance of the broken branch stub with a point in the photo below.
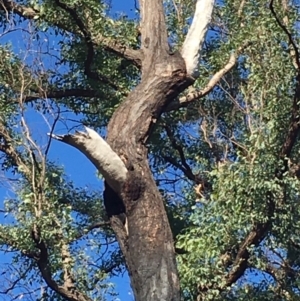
(99, 153)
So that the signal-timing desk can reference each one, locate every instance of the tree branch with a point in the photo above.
(296, 56)
(14, 283)
(261, 229)
(194, 40)
(109, 44)
(70, 294)
(100, 154)
(240, 263)
(294, 125)
(8, 148)
(62, 93)
(11, 242)
(90, 228)
(184, 167)
(21, 10)
(90, 46)
(255, 237)
(195, 95)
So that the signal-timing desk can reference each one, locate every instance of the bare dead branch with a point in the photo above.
(101, 155)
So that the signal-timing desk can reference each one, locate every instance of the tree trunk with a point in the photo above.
(132, 200)
(147, 243)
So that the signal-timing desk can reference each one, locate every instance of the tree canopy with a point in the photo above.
(197, 155)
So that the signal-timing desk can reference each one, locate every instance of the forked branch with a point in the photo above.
(197, 94)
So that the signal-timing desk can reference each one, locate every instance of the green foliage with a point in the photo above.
(250, 118)
(65, 216)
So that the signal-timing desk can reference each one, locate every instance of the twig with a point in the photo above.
(184, 167)
(13, 285)
(52, 131)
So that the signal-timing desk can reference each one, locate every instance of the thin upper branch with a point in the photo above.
(292, 43)
(294, 126)
(89, 44)
(15, 282)
(111, 45)
(197, 94)
(183, 166)
(255, 237)
(54, 94)
(92, 227)
(7, 239)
